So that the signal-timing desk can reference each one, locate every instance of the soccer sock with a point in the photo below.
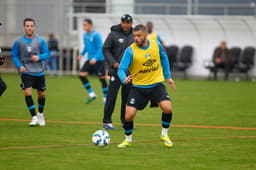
(30, 105)
(86, 84)
(166, 121)
(128, 138)
(128, 128)
(41, 104)
(104, 87)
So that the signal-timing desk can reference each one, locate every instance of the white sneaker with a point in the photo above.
(104, 100)
(34, 121)
(41, 120)
(92, 95)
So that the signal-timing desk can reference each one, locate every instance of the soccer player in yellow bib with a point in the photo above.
(145, 65)
(153, 35)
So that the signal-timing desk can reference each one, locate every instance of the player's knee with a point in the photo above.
(83, 74)
(130, 113)
(41, 95)
(167, 109)
(27, 92)
(129, 116)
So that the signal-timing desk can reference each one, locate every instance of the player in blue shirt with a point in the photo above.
(28, 54)
(95, 60)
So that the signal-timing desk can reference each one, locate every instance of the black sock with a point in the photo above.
(128, 128)
(86, 83)
(41, 104)
(104, 87)
(166, 119)
(30, 105)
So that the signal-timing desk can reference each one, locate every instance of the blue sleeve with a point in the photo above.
(124, 64)
(99, 53)
(15, 55)
(164, 62)
(84, 49)
(45, 54)
(159, 38)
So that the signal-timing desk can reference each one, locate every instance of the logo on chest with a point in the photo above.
(121, 40)
(29, 49)
(149, 62)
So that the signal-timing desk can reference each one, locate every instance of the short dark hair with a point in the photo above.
(88, 20)
(140, 27)
(29, 19)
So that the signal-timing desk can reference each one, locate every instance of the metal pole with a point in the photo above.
(196, 7)
(189, 7)
(226, 11)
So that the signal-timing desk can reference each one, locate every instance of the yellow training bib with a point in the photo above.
(146, 67)
(152, 36)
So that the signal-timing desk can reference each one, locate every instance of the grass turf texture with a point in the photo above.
(209, 103)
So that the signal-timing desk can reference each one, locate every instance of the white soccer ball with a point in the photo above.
(101, 138)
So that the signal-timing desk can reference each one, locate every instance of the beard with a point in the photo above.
(142, 42)
(29, 33)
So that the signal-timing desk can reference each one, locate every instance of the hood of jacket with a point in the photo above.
(118, 28)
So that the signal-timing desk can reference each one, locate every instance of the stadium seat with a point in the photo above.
(235, 53)
(246, 62)
(172, 52)
(184, 60)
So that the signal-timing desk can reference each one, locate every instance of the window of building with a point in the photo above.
(87, 6)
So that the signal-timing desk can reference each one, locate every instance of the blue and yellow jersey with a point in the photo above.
(154, 36)
(147, 65)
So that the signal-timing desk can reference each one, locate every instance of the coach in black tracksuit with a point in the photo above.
(114, 46)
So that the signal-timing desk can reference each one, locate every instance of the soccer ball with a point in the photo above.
(101, 138)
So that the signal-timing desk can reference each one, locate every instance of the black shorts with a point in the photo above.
(98, 68)
(36, 82)
(139, 97)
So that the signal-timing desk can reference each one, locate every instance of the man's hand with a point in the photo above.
(34, 58)
(79, 57)
(116, 65)
(22, 69)
(92, 61)
(128, 79)
(218, 60)
(171, 83)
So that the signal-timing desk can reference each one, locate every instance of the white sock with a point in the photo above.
(109, 124)
(128, 138)
(164, 131)
(92, 94)
(104, 99)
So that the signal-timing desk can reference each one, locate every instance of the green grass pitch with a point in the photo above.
(207, 107)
